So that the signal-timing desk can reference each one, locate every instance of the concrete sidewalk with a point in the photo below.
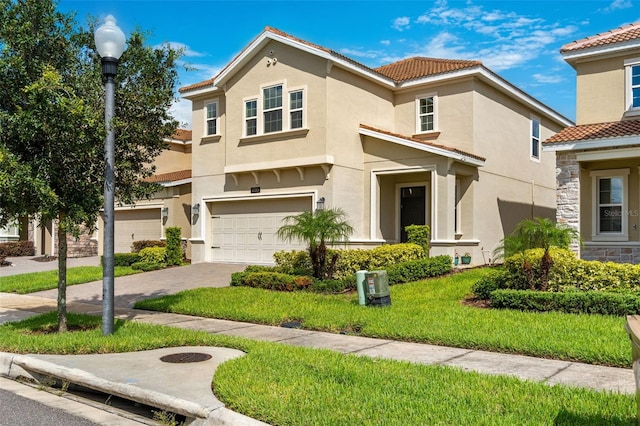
(128, 374)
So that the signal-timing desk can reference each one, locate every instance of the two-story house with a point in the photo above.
(289, 126)
(598, 159)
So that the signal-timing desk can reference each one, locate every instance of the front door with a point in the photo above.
(412, 208)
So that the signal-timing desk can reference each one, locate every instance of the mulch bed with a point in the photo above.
(45, 258)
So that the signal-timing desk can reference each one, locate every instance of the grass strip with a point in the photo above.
(287, 385)
(428, 311)
(47, 280)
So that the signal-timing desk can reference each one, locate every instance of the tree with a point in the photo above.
(318, 228)
(52, 120)
(538, 233)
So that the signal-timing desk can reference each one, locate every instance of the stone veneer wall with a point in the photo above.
(612, 254)
(568, 192)
(83, 246)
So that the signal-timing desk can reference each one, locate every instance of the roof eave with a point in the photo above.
(591, 144)
(573, 56)
(424, 147)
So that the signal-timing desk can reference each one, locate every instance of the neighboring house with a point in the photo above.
(288, 126)
(171, 206)
(598, 159)
(145, 221)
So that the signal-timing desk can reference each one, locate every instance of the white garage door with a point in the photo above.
(251, 237)
(135, 225)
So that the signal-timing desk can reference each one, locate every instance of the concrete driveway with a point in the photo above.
(132, 288)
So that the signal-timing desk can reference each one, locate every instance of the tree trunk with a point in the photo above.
(545, 266)
(62, 276)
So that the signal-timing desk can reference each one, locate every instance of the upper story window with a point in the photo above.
(276, 109)
(272, 108)
(610, 200)
(426, 108)
(632, 83)
(295, 109)
(251, 117)
(211, 118)
(535, 138)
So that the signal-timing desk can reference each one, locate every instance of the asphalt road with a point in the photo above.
(22, 405)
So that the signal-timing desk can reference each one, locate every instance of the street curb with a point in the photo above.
(14, 366)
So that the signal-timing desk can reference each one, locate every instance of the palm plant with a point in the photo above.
(538, 233)
(318, 228)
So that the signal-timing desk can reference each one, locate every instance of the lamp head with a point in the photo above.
(109, 39)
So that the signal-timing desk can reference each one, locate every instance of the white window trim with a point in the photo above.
(531, 156)
(245, 118)
(457, 207)
(303, 109)
(610, 236)
(435, 112)
(628, 64)
(286, 109)
(205, 131)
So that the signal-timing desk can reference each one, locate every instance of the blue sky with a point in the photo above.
(520, 40)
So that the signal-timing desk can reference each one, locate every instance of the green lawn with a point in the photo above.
(47, 280)
(287, 385)
(428, 311)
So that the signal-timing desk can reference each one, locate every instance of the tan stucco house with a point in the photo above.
(598, 159)
(171, 206)
(289, 126)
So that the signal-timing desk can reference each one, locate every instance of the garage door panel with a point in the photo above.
(135, 225)
(254, 235)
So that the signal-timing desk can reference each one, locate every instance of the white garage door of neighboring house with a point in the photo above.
(135, 225)
(250, 237)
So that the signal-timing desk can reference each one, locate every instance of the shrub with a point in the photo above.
(123, 259)
(420, 235)
(174, 245)
(147, 266)
(153, 255)
(276, 281)
(352, 260)
(589, 302)
(494, 280)
(142, 244)
(333, 286)
(237, 279)
(415, 270)
(17, 248)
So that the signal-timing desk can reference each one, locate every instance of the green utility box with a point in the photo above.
(377, 288)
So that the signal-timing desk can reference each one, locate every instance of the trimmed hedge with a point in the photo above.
(276, 281)
(420, 235)
(415, 270)
(123, 259)
(494, 280)
(142, 244)
(352, 260)
(17, 249)
(147, 266)
(591, 302)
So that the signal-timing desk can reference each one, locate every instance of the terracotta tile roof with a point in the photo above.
(182, 135)
(406, 69)
(411, 68)
(619, 35)
(412, 139)
(587, 132)
(169, 177)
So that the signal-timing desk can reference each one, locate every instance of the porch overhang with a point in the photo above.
(619, 142)
(441, 150)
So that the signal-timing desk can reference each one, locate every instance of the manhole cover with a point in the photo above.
(185, 357)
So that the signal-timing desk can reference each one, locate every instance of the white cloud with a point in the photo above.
(402, 23)
(181, 111)
(619, 4)
(186, 50)
(370, 54)
(385, 42)
(548, 78)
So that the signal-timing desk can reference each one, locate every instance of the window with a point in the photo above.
(272, 108)
(211, 118)
(295, 109)
(632, 72)
(535, 138)
(426, 113)
(610, 222)
(251, 117)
